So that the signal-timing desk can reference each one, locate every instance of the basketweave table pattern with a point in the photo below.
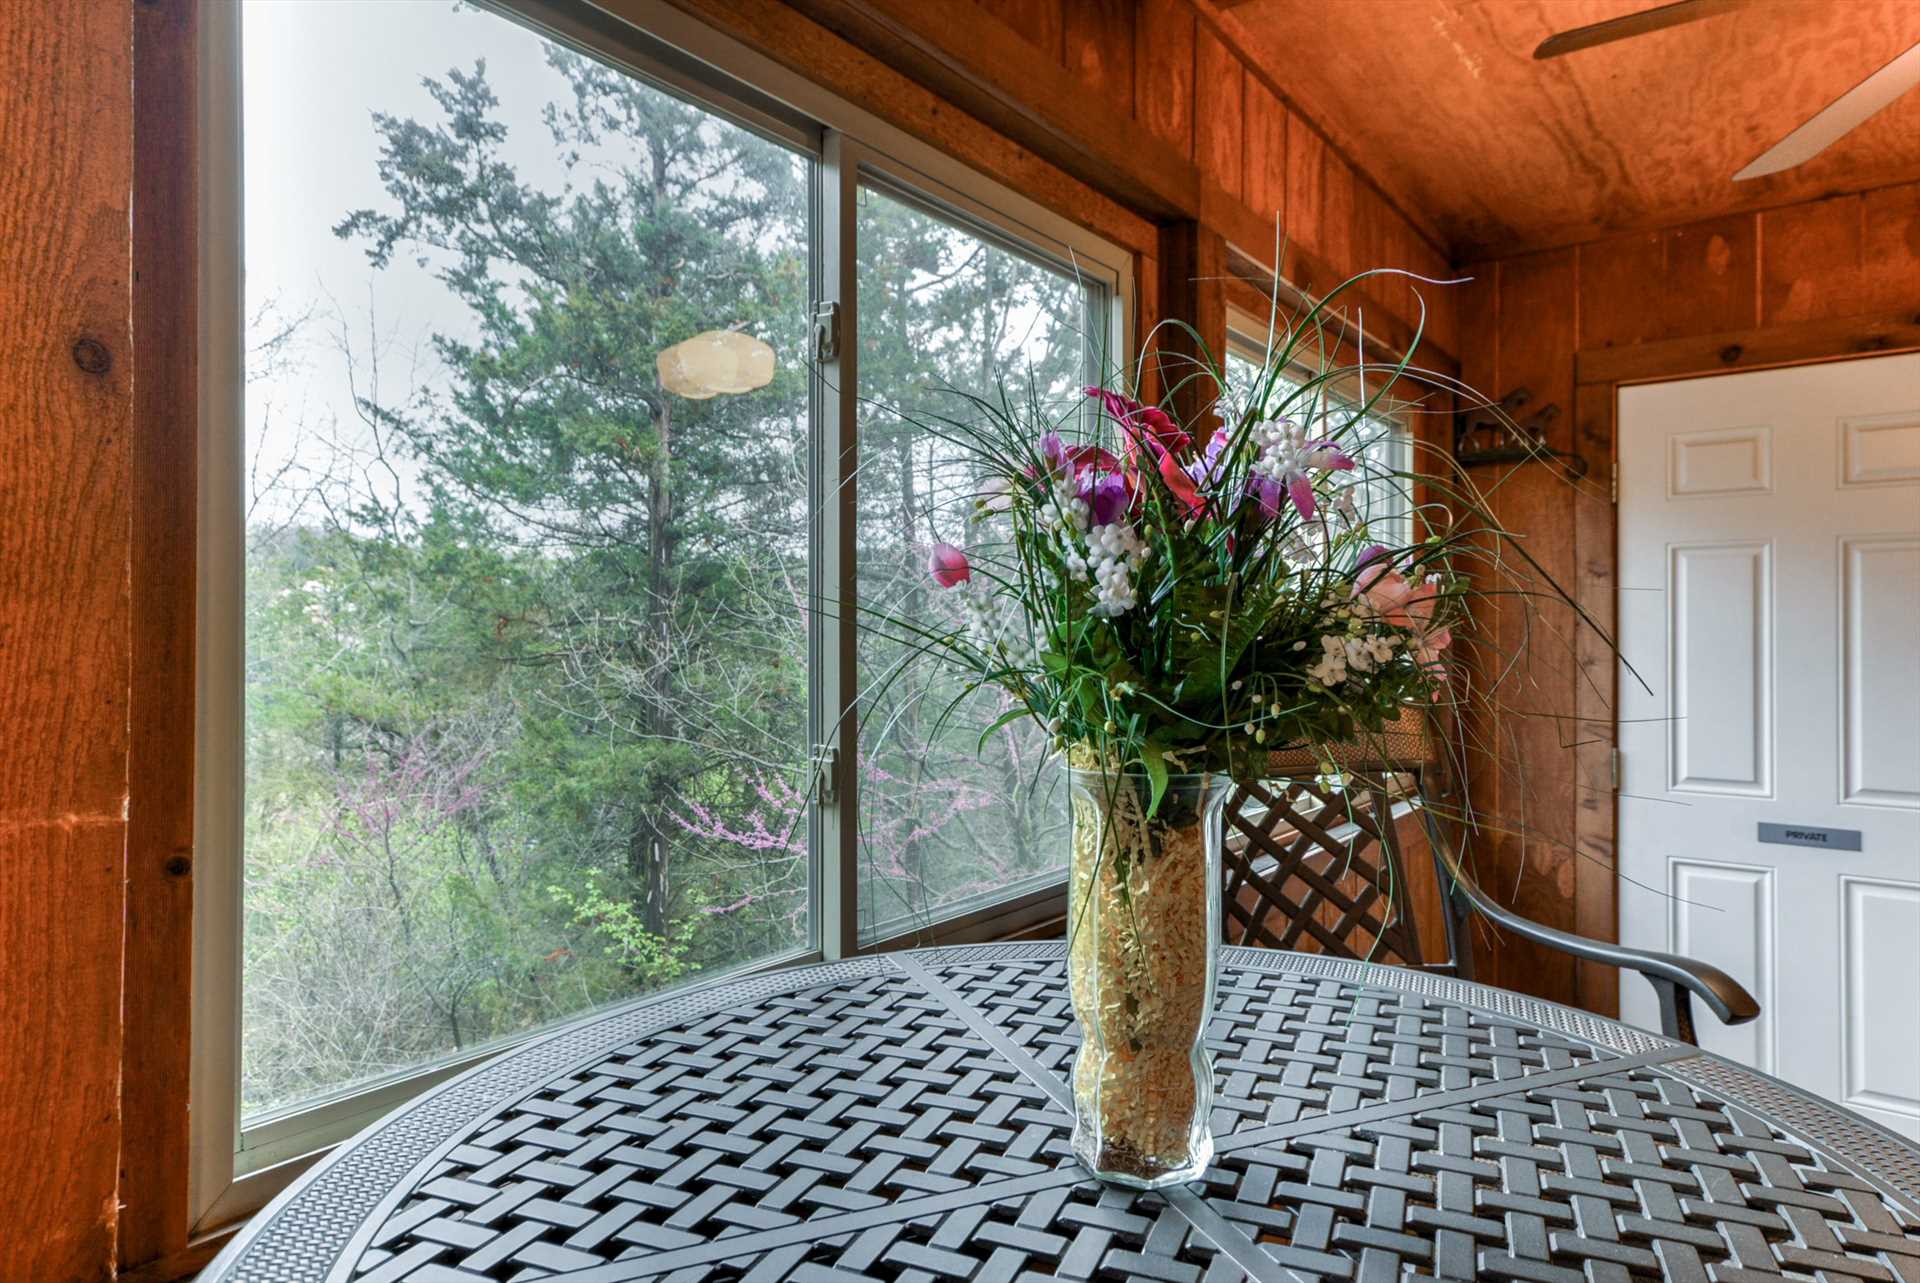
(906, 1117)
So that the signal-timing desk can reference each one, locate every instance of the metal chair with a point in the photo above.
(1307, 863)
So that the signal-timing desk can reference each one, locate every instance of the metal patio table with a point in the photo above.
(906, 1117)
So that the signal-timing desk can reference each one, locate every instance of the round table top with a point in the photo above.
(906, 1117)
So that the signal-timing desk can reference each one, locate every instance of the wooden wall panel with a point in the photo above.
(66, 366)
(1163, 88)
(1890, 249)
(1710, 280)
(1336, 217)
(1811, 265)
(1306, 183)
(1100, 46)
(1218, 89)
(1266, 152)
(1614, 292)
(1532, 784)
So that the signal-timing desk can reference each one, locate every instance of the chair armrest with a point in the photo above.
(1673, 977)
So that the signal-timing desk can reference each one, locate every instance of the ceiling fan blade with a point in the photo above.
(1839, 118)
(1633, 24)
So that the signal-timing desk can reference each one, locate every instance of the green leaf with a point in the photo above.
(1156, 772)
(1011, 715)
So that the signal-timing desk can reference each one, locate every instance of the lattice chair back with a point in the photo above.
(1316, 864)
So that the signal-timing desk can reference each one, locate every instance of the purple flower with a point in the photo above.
(1206, 470)
(1059, 459)
(1053, 453)
(1105, 496)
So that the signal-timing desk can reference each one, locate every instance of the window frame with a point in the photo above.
(1243, 330)
(235, 1170)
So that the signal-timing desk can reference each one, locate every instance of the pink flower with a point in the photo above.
(1059, 459)
(1386, 592)
(1396, 600)
(949, 566)
(1181, 486)
(1145, 426)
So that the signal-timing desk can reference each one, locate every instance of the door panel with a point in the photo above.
(1770, 602)
(1880, 746)
(1723, 914)
(1737, 461)
(1721, 652)
(1880, 942)
(1880, 450)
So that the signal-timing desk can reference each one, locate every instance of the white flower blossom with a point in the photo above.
(1115, 552)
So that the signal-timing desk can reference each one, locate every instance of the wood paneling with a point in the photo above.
(1460, 125)
(1709, 282)
(1132, 174)
(66, 370)
(1192, 282)
(154, 1150)
(1533, 784)
(1811, 267)
(1099, 48)
(1163, 90)
(1890, 248)
(1266, 152)
(1219, 89)
(1614, 289)
(1306, 186)
(1041, 22)
(1151, 102)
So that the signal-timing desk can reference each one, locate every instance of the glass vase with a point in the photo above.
(1143, 940)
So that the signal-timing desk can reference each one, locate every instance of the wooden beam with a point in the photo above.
(1752, 348)
(1192, 264)
(155, 1142)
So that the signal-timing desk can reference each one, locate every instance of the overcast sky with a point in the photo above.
(313, 74)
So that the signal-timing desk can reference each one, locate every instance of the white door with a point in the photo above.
(1770, 779)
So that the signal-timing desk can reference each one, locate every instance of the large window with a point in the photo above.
(522, 663)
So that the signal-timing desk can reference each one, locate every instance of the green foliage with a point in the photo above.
(651, 959)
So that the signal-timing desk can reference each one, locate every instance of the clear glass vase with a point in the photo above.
(1143, 942)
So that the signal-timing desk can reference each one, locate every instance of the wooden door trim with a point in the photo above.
(1599, 374)
(1750, 349)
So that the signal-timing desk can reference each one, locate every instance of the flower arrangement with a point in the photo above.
(1176, 600)
(1181, 598)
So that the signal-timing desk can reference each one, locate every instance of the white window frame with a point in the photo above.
(235, 1172)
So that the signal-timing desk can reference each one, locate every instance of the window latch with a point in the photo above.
(826, 774)
(826, 332)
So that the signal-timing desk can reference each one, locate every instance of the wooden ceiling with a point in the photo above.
(1443, 104)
